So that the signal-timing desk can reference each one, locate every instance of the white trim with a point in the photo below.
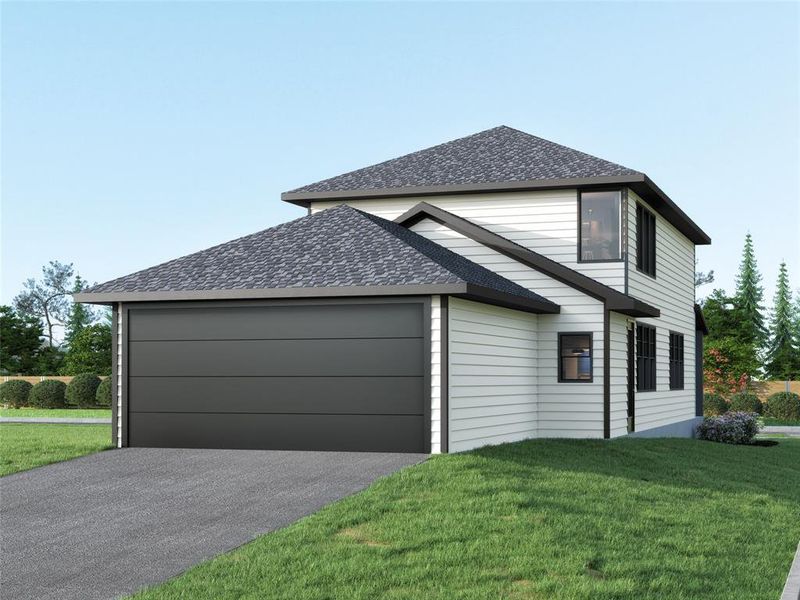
(436, 374)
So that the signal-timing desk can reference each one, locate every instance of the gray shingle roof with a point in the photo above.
(338, 247)
(501, 154)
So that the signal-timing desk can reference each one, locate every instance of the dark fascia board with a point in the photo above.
(490, 296)
(700, 320)
(475, 292)
(640, 183)
(614, 300)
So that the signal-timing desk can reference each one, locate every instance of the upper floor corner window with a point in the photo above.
(600, 226)
(645, 241)
(575, 357)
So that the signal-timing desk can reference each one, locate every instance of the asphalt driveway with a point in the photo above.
(108, 524)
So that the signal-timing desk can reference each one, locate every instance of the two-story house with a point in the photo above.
(490, 289)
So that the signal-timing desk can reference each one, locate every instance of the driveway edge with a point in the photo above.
(791, 591)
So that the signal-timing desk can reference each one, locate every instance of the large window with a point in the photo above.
(645, 241)
(675, 361)
(600, 226)
(645, 358)
(575, 357)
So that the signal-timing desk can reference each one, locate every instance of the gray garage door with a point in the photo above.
(292, 377)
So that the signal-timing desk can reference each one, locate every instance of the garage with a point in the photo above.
(335, 375)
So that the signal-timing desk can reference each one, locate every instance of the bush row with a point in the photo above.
(782, 405)
(84, 391)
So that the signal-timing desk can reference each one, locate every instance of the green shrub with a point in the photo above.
(15, 392)
(730, 428)
(746, 402)
(50, 393)
(82, 390)
(783, 405)
(103, 396)
(713, 405)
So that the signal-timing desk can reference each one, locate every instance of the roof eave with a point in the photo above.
(638, 182)
(505, 300)
(462, 290)
(272, 293)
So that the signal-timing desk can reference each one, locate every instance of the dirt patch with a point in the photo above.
(360, 535)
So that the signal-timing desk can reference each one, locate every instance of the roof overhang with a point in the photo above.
(461, 290)
(639, 183)
(613, 299)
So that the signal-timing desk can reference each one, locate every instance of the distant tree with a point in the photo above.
(90, 351)
(728, 338)
(47, 299)
(49, 361)
(701, 278)
(796, 318)
(750, 299)
(80, 315)
(20, 341)
(783, 357)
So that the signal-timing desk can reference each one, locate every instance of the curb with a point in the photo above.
(785, 429)
(68, 421)
(791, 591)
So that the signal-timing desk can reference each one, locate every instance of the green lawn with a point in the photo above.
(773, 421)
(628, 519)
(24, 446)
(66, 413)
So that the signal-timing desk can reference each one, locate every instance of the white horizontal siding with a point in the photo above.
(436, 374)
(672, 292)
(582, 402)
(543, 221)
(618, 352)
(492, 374)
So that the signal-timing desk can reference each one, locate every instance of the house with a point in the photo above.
(486, 290)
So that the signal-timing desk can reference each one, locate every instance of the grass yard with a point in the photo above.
(58, 413)
(545, 519)
(774, 421)
(24, 446)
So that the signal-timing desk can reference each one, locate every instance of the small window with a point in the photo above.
(645, 241)
(575, 357)
(600, 226)
(645, 358)
(675, 361)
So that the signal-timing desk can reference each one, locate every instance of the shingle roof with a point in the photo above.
(501, 154)
(338, 247)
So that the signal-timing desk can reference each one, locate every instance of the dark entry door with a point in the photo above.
(291, 377)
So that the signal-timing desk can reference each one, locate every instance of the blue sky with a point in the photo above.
(133, 133)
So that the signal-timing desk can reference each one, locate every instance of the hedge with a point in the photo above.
(82, 390)
(50, 393)
(746, 402)
(103, 395)
(713, 405)
(15, 392)
(783, 405)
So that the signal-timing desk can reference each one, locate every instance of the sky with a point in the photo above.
(133, 133)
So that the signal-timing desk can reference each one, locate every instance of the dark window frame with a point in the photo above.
(646, 227)
(677, 364)
(621, 225)
(646, 368)
(561, 335)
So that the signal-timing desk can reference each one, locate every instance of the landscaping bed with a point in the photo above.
(24, 446)
(631, 518)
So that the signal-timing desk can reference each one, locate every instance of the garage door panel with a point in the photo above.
(277, 322)
(264, 358)
(376, 433)
(330, 395)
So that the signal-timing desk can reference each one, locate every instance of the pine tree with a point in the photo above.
(749, 299)
(783, 357)
(80, 315)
